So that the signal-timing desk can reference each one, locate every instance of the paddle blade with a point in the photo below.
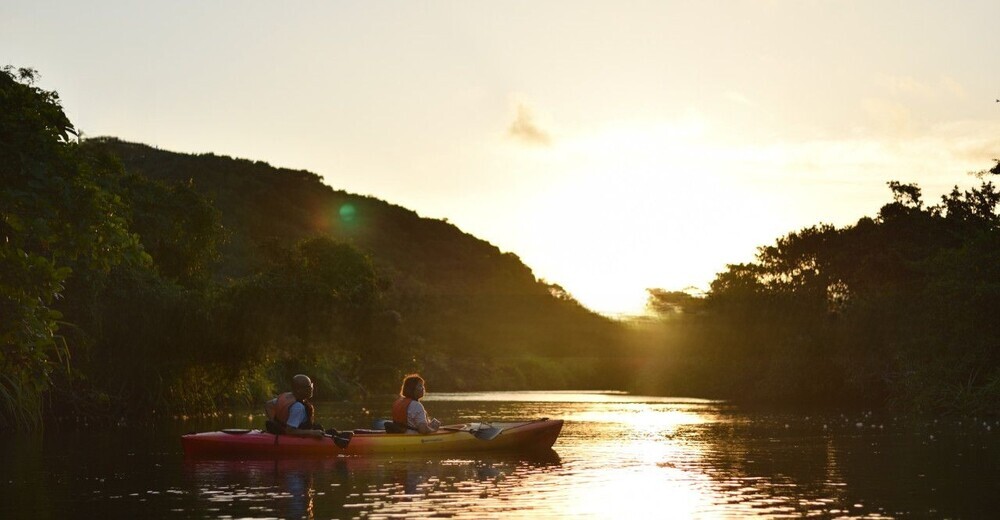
(487, 434)
(342, 439)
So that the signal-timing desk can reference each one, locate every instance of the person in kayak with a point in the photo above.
(291, 413)
(408, 414)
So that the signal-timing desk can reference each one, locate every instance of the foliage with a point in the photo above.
(894, 310)
(668, 303)
(441, 291)
(135, 281)
(307, 302)
(59, 212)
(180, 229)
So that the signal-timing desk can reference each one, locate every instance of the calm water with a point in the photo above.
(619, 456)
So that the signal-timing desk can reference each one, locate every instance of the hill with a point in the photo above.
(474, 317)
(136, 282)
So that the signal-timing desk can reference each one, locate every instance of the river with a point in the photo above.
(619, 456)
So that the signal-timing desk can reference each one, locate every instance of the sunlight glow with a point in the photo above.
(657, 458)
(624, 493)
(639, 204)
(653, 194)
(569, 396)
(644, 418)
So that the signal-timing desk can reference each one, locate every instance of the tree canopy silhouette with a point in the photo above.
(898, 309)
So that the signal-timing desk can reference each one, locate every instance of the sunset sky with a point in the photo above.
(613, 146)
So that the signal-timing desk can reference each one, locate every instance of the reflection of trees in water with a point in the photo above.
(772, 466)
(331, 487)
(285, 487)
(788, 464)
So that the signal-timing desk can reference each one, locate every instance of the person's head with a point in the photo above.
(413, 387)
(302, 387)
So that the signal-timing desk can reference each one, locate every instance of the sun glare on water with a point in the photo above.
(644, 446)
(647, 465)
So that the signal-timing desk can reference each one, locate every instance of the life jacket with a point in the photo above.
(399, 409)
(283, 408)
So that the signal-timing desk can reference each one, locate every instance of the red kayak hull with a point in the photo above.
(255, 444)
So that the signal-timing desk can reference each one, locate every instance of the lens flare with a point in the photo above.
(348, 212)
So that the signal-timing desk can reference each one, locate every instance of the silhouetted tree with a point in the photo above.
(892, 310)
(60, 215)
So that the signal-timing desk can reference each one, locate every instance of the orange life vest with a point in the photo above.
(283, 408)
(399, 409)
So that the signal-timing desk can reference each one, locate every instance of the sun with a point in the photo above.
(649, 195)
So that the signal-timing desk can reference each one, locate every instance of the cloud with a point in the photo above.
(976, 142)
(906, 85)
(525, 130)
(739, 98)
(945, 87)
(954, 87)
(890, 118)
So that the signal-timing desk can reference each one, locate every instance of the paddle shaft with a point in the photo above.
(481, 434)
(484, 435)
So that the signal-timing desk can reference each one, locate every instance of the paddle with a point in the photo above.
(341, 439)
(483, 434)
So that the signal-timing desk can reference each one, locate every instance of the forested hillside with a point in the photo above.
(461, 302)
(137, 281)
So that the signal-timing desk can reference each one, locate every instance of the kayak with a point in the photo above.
(528, 436)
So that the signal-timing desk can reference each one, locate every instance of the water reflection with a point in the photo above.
(371, 487)
(618, 456)
(286, 488)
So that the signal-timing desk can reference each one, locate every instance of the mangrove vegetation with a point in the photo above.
(896, 310)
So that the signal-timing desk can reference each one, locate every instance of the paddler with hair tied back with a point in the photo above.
(408, 414)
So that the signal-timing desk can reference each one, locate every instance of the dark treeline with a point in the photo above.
(135, 281)
(898, 310)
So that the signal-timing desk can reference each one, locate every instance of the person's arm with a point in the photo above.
(418, 416)
(296, 415)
